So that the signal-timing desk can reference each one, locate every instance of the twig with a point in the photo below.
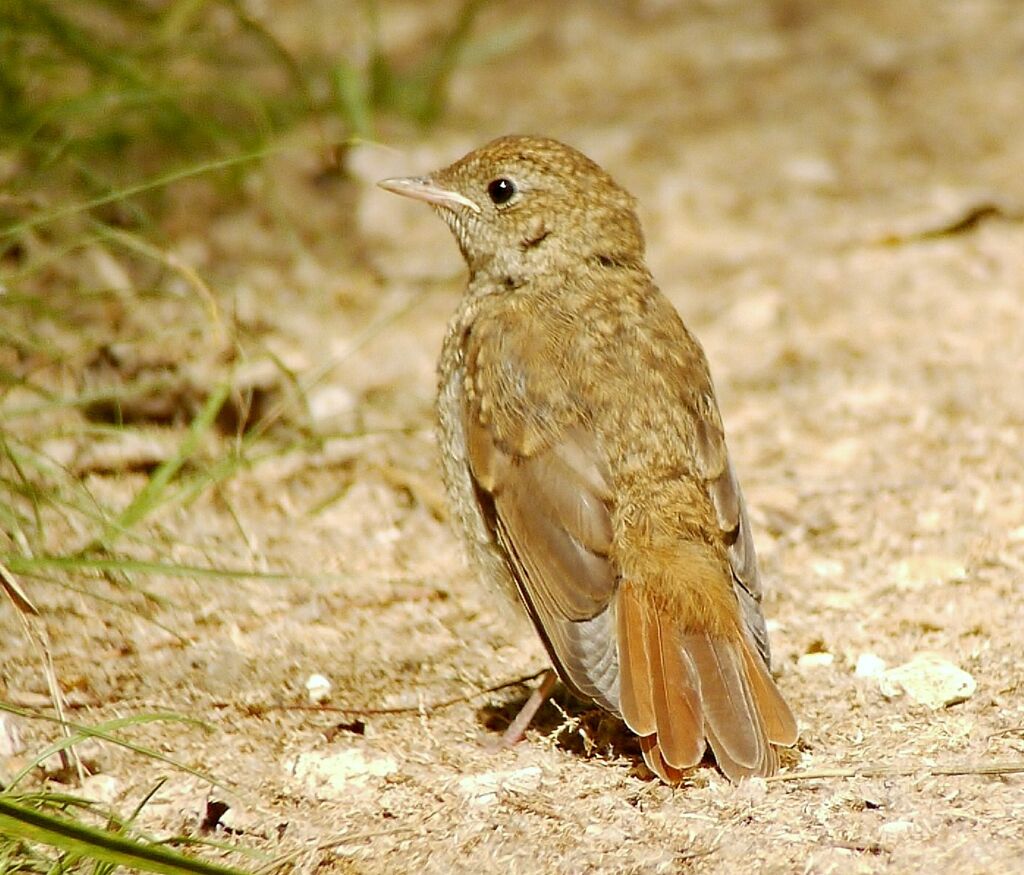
(970, 216)
(996, 768)
(411, 709)
(1013, 730)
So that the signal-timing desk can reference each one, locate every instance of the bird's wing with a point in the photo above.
(543, 489)
(549, 514)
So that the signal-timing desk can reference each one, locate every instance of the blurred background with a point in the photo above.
(217, 347)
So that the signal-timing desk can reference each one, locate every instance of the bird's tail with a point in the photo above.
(681, 689)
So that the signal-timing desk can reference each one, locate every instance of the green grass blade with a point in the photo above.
(149, 496)
(103, 732)
(76, 839)
(122, 194)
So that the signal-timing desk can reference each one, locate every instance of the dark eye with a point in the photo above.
(501, 190)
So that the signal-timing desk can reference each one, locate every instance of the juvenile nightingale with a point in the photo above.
(585, 460)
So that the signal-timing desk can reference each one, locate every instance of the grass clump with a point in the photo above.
(122, 125)
(112, 113)
(96, 96)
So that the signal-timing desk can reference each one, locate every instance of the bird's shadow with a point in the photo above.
(577, 726)
(583, 729)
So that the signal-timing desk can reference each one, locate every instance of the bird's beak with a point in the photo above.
(422, 188)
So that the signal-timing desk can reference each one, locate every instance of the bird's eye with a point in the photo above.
(501, 190)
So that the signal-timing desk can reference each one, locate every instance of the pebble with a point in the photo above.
(869, 665)
(238, 820)
(828, 568)
(929, 680)
(318, 688)
(919, 572)
(333, 775)
(817, 659)
(895, 829)
(483, 789)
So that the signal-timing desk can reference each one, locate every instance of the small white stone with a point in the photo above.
(918, 572)
(895, 829)
(929, 680)
(844, 452)
(483, 789)
(348, 850)
(869, 665)
(930, 520)
(318, 688)
(816, 660)
(329, 402)
(333, 775)
(810, 170)
(828, 568)
(238, 820)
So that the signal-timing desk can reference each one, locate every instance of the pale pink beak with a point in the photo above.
(422, 188)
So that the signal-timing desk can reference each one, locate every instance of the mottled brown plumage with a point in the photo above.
(586, 462)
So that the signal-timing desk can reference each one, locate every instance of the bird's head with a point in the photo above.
(525, 206)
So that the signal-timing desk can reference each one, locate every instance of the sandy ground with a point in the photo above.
(833, 198)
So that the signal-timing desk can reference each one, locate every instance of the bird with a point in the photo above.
(585, 461)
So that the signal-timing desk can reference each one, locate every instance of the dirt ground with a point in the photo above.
(833, 197)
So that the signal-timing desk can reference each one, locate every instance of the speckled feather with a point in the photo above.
(586, 461)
